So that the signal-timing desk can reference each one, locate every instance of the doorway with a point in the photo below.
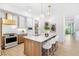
(69, 28)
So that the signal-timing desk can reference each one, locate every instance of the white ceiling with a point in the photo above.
(35, 9)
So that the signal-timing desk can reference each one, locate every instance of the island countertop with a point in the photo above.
(40, 38)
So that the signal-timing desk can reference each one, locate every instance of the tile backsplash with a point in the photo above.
(21, 30)
(9, 29)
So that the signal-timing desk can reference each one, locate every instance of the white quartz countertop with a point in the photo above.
(40, 38)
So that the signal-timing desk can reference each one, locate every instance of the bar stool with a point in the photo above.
(56, 42)
(47, 48)
(53, 45)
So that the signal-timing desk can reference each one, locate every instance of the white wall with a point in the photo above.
(59, 20)
(61, 10)
(76, 23)
(9, 7)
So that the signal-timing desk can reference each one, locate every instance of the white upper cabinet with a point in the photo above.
(30, 22)
(22, 22)
(31, 26)
(15, 17)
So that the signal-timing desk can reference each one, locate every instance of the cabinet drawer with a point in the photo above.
(21, 38)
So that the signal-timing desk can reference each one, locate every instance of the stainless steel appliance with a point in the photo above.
(10, 40)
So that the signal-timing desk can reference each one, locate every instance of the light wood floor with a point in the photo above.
(69, 47)
(14, 51)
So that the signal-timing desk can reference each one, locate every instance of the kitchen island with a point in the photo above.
(33, 44)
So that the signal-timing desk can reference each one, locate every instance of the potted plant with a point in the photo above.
(46, 29)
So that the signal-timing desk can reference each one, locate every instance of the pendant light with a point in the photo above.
(48, 18)
(49, 6)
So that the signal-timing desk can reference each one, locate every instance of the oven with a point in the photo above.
(10, 40)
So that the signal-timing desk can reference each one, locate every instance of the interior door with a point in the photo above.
(0, 34)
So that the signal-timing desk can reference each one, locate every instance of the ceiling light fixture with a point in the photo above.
(49, 10)
(48, 18)
(42, 15)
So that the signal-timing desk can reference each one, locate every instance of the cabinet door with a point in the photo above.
(15, 17)
(28, 47)
(32, 48)
(30, 25)
(20, 38)
(36, 49)
(0, 34)
(22, 22)
(30, 22)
